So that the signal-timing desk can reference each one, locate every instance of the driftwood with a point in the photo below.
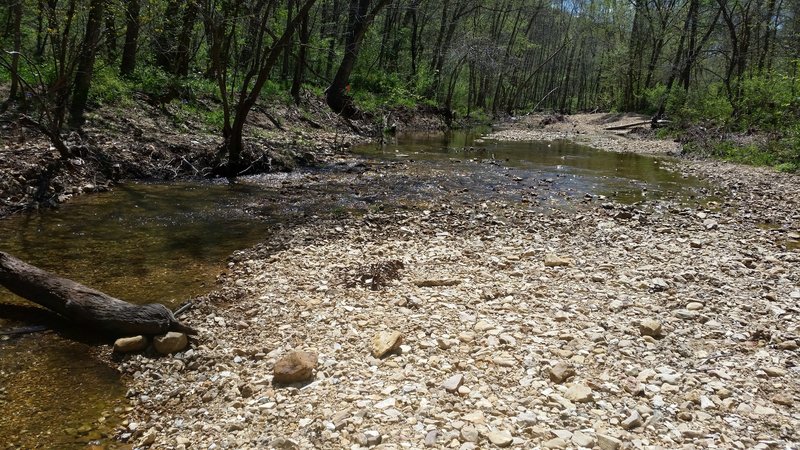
(653, 124)
(84, 305)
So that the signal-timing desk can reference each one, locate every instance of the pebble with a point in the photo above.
(774, 371)
(453, 383)
(634, 420)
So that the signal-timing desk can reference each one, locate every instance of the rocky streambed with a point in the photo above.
(515, 322)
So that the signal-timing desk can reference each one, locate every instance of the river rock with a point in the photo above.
(386, 342)
(650, 327)
(295, 367)
(774, 372)
(561, 372)
(171, 342)
(130, 344)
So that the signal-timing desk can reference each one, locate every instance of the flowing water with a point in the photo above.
(166, 243)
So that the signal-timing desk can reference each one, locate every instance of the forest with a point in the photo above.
(715, 69)
(391, 224)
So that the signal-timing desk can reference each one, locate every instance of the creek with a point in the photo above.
(168, 242)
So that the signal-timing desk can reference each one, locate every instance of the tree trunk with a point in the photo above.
(128, 64)
(85, 305)
(336, 96)
(83, 75)
(299, 69)
(16, 23)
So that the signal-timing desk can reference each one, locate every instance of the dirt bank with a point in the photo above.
(597, 325)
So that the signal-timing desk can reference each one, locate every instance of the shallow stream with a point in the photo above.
(166, 243)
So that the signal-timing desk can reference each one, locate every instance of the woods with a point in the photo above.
(731, 64)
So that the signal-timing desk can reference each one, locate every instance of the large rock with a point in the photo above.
(130, 344)
(295, 367)
(453, 383)
(386, 342)
(172, 342)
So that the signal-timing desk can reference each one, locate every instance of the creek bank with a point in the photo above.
(145, 141)
(679, 326)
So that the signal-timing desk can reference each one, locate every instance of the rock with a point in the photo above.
(696, 244)
(650, 327)
(295, 367)
(437, 282)
(469, 433)
(453, 383)
(694, 306)
(500, 438)
(284, 444)
(582, 439)
(579, 393)
(764, 411)
(431, 437)
(370, 438)
(552, 260)
(774, 372)
(561, 372)
(130, 344)
(782, 399)
(710, 224)
(172, 342)
(555, 443)
(634, 420)
(606, 442)
(386, 342)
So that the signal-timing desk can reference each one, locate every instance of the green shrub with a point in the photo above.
(108, 88)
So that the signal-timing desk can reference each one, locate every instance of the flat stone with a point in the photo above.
(386, 342)
(295, 367)
(694, 306)
(606, 442)
(582, 439)
(130, 344)
(500, 438)
(172, 342)
(579, 393)
(764, 411)
(552, 260)
(370, 438)
(774, 371)
(453, 383)
(650, 327)
(561, 372)
(783, 399)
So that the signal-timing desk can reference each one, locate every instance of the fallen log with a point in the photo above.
(84, 305)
